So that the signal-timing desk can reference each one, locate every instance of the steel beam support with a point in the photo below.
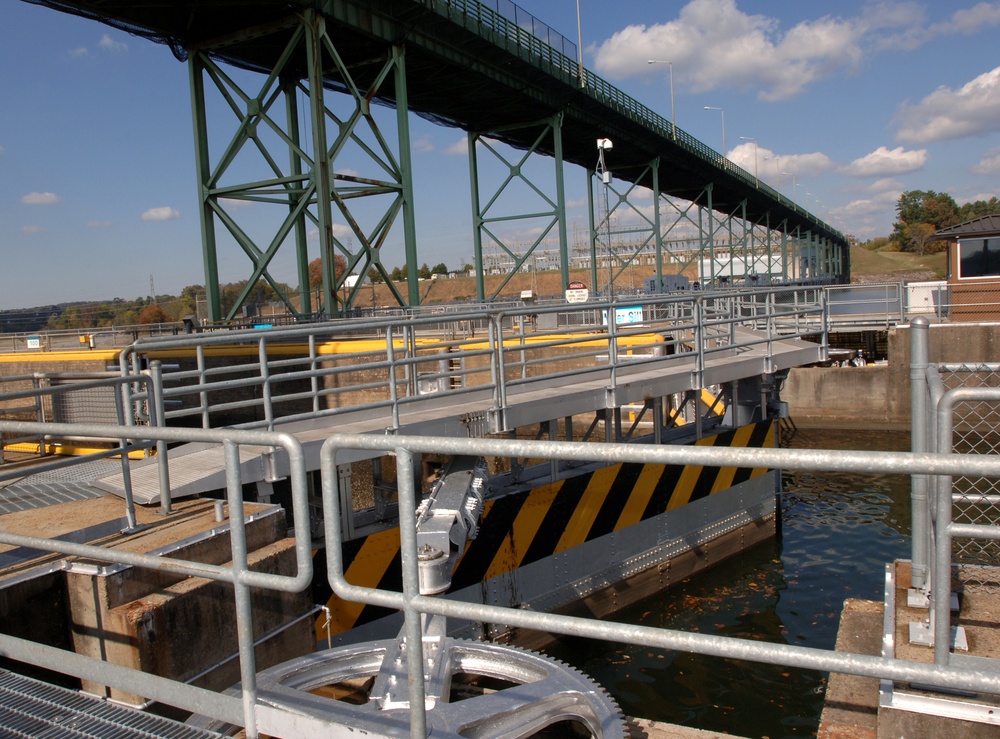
(657, 226)
(510, 258)
(203, 168)
(405, 179)
(308, 187)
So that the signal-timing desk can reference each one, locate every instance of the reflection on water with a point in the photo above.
(838, 532)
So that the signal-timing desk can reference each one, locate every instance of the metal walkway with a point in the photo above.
(31, 709)
(195, 469)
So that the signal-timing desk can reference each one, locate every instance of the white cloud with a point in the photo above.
(28, 230)
(886, 184)
(40, 198)
(718, 45)
(989, 164)
(459, 148)
(946, 114)
(423, 144)
(79, 52)
(165, 213)
(109, 44)
(713, 44)
(884, 162)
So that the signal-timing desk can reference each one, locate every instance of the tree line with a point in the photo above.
(920, 213)
(167, 308)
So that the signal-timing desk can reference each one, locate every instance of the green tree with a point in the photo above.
(425, 272)
(398, 274)
(439, 269)
(374, 275)
(918, 235)
(936, 209)
(978, 209)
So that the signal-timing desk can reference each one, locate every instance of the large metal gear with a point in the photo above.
(473, 689)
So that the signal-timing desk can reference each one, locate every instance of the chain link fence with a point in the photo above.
(975, 500)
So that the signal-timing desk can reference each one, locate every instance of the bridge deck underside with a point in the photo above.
(503, 86)
(198, 468)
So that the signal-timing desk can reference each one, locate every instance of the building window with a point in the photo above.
(979, 257)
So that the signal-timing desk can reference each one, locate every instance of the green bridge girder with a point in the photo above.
(344, 55)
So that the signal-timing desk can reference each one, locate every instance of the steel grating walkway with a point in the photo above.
(53, 487)
(30, 709)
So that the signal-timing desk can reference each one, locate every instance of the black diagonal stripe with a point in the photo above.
(759, 437)
(496, 527)
(392, 579)
(557, 518)
(321, 590)
(664, 490)
(615, 501)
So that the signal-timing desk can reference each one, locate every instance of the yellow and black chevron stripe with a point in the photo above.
(526, 527)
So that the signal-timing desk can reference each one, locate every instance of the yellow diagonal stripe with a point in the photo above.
(688, 479)
(524, 529)
(741, 439)
(366, 570)
(588, 507)
(644, 488)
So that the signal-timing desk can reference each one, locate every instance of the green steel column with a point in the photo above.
(784, 250)
(406, 174)
(477, 219)
(591, 179)
(658, 240)
(322, 164)
(288, 87)
(203, 167)
(561, 200)
(711, 234)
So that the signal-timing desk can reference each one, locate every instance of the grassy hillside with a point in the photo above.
(891, 266)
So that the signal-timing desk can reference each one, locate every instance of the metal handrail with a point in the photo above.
(392, 354)
(259, 718)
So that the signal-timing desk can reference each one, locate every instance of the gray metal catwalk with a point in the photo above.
(30, 708)
(196, 468)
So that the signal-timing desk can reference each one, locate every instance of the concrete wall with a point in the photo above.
(878, 396)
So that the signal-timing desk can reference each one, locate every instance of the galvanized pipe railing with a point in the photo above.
(412, 604)
(237, 573)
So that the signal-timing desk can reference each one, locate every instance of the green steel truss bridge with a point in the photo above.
(300, 83)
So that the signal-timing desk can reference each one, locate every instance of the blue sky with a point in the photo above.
(855, 102)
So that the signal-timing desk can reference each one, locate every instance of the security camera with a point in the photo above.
(604, 144)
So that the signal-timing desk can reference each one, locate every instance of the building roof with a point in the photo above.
(984, 226)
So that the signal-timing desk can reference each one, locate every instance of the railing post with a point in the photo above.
(158, 418)
(390, 352)
(244, 613)
(411, 589)
(918, 444)
(265, 383)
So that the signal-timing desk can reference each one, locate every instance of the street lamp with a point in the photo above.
(579, 44)
(756, 179)
(792, 175)
(673, 118)
(723, 111)
(602, 170)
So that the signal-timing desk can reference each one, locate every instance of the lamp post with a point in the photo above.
(579, 44)
(756, 179)
(792, 175)
(602, 170)
(723, 111)
(673, 118)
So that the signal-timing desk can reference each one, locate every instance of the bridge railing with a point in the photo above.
(506, 24)
(253, 379)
